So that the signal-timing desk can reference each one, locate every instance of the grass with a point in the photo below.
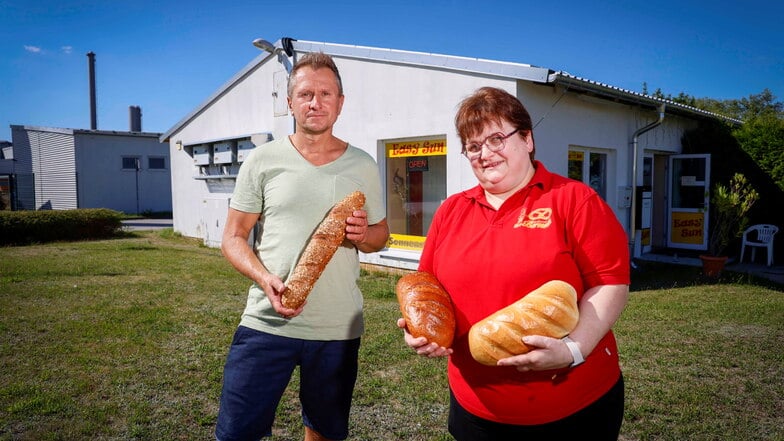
(125, 339)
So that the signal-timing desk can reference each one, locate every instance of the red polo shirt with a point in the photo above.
(554, 228)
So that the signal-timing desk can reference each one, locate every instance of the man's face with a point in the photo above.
(315, 100)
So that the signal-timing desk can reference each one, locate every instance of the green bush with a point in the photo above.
(26, 227)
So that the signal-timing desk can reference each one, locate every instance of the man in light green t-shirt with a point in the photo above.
(289, 185)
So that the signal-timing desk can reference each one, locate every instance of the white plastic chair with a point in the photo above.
(759, 236)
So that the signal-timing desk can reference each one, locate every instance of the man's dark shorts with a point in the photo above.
(258, 369)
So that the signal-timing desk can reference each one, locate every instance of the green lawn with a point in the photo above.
(125, 340)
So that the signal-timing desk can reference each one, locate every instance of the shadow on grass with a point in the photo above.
(657, 275)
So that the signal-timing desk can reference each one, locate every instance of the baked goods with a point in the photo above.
(319, 250)
(426, 307)
(550, 310)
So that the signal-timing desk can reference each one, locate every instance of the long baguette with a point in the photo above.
(320, 248)
(550, 310)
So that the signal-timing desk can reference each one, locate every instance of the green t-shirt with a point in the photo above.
(293, 196)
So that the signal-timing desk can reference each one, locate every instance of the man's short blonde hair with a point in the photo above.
(314, 60)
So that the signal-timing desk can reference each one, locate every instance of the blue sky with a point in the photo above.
(168, 56)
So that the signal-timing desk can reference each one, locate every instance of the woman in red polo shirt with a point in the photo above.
(519, 228)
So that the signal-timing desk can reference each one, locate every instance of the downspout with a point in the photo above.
(635, 147)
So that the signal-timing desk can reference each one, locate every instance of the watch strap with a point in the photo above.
(577, 356)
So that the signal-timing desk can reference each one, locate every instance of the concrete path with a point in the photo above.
(146, 224)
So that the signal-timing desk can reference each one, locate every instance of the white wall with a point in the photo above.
(244, 109)
(383, 101)
(389, 101)
(577, 121)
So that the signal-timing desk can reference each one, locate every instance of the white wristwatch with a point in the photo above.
(575, 350)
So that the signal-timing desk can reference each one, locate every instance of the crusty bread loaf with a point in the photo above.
(426, 307)
(550, 310)
(319, 250)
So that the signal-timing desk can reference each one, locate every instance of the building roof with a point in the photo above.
(67, 131)
(502, 69)
(618, 94)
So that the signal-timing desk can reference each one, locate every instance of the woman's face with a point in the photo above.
(508, 169)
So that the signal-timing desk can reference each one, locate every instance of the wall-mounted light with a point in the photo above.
(286, 42)
(265, 45)
(284, 53)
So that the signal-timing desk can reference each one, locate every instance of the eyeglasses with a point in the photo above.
(494, 143)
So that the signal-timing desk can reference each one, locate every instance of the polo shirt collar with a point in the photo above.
(542, 179)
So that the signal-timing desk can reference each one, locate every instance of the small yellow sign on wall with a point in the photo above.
(405, 242)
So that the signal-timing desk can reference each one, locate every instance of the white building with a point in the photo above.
(56, 168)
(400, 107)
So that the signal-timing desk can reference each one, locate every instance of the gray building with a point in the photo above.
(56, 168)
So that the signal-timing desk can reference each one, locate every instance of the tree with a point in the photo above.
(763, 104)
(761, 135)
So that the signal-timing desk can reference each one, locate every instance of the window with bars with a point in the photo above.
(131, 163)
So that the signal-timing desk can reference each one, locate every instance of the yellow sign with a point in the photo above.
(688, 228)
(432, 147)
(402, 241)
(576, 155)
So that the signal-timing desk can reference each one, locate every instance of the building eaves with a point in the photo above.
(117, 133)
(43, 129)
(617, 94)
(446, 62)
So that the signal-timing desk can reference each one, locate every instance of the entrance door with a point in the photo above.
(689, 197)
(213, 216)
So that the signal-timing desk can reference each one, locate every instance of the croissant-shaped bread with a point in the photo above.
(320, 248)
(550, 310)
(426, 307)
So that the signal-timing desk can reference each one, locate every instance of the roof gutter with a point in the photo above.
(635, 148)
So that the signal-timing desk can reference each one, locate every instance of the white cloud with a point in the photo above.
(33, 49)
(67, 49)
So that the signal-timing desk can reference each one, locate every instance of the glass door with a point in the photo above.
(689, 198)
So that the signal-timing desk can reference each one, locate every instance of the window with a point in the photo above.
(6, 185)
(416, 186)
(589, 167)
(131, 163)
(156, 163)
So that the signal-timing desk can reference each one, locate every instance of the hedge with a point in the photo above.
(26, 227)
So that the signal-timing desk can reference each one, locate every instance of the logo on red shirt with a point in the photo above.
(538, 218)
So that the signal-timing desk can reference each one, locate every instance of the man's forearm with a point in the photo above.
(241, 256)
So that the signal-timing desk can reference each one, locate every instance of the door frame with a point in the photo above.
(689, 201)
